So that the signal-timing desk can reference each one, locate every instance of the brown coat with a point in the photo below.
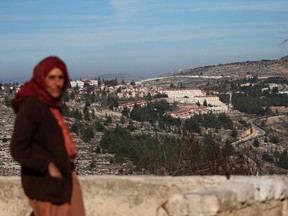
(37, 140)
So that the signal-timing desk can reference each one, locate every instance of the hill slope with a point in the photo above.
(260, 68)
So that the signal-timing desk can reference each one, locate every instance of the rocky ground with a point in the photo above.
(7, 165)
(88, 162)
(275, 125)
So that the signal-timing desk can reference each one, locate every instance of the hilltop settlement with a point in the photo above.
(222, 119)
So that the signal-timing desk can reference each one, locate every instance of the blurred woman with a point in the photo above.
(42, 144)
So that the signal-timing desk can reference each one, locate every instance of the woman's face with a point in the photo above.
(55, 82)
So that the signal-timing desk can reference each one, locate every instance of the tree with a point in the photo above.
(133, 83)
(283, 160)
(93, 116)
(86, 113)
(65, 110)
(112, 102)
(275, 90)
(274, 138)
(210, 120)
(256, 143)
(205, 103)
(87, 133)
(122, 119)
(65, 96)
(72, 95)
(7, 101)
(192, 125)
(98, 126)
(225, 121)
(267, 157)
(125, 112)
(210, 149)
(76, 88)
(263, 123)
(76, 114)
(234, 133)
(228, 148)
(75, 128)
(99, 81)
(136, 113)
(109, 119)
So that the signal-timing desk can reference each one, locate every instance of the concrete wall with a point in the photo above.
(167, 196)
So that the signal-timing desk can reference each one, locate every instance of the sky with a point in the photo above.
(145, 38)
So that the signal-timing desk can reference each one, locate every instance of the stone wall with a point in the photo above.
(167, 196)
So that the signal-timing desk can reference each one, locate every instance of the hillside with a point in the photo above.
(260, 68)
(211, 75)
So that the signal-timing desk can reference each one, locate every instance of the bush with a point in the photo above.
(267, 157)
(274, 138)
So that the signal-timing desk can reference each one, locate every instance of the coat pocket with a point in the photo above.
(54, 186)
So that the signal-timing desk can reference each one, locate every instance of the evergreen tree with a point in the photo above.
(87, 133)
(65, 110)
(76, 114)
(86, 113)
(225, 121)
(234, 133)
(133, 83)
(125, 112)
(65, 96)
(256, 143)
(283, 160)
(205, 103)
(210, 149)
(75, 128)
(98, 126)
(93, 116)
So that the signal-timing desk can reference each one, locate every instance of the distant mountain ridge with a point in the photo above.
(261, 67)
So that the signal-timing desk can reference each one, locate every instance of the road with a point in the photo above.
(259, 130)
(256, 133)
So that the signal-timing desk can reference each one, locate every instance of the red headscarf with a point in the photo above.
(37, 87)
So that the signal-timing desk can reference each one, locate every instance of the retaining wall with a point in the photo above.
(167, 196)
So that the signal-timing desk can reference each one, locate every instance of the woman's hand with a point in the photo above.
(54, 171)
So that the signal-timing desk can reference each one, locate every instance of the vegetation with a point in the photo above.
(166, 154)
(256, 98)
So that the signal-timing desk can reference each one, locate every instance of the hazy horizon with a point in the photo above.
(134, 77)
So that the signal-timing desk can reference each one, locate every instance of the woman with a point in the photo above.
(42, 144)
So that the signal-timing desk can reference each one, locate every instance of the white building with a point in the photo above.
(185, 94)
(80, 83)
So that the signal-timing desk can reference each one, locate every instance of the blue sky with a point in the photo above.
(139, 37)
